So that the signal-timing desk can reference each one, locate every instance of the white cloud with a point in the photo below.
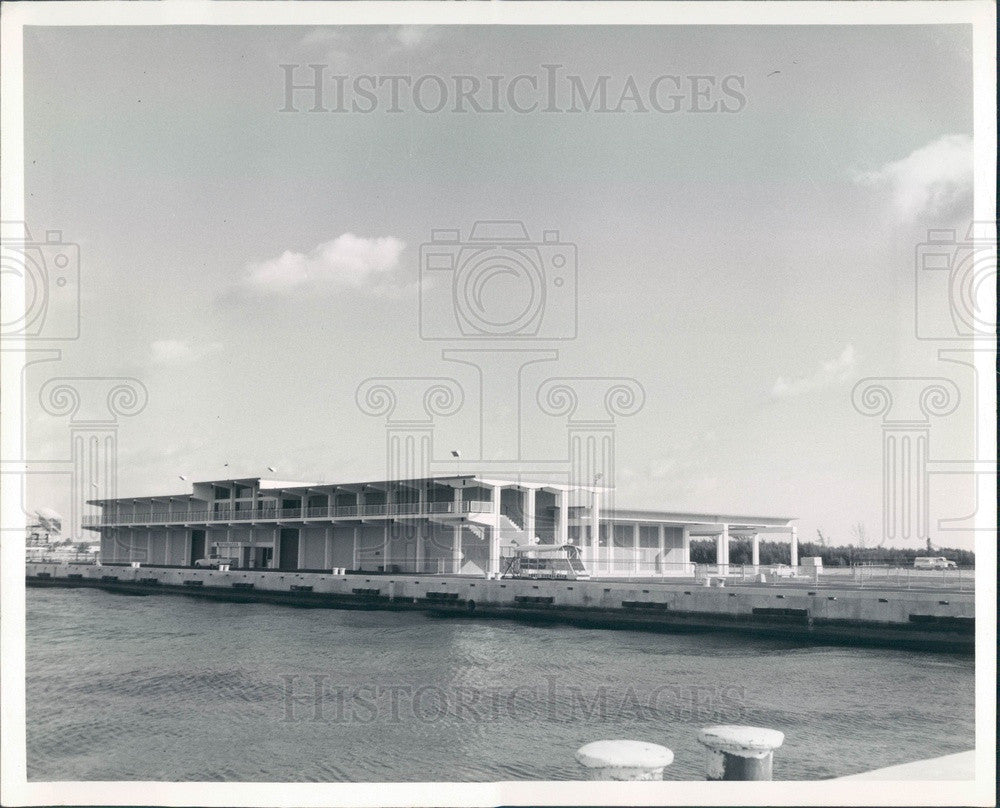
(324, 36)
(411, 37)
(180, 352)
(348, 260)
(934, 180)
(828, 374)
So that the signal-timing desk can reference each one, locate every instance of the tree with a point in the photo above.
(822, 539)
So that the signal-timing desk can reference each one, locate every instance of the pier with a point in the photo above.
(930, 618)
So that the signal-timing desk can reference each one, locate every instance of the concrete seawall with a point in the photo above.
(926, 620)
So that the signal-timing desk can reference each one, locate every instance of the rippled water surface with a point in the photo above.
(175, 688)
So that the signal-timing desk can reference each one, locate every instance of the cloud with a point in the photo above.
(324, 36)
(348, 49)
(934, 180)
(828, 374)
(180, 352)
(413, 37)
(347, 261)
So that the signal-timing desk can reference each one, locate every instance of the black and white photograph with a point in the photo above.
(498, 403)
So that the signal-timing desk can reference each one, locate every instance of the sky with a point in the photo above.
(251, 266)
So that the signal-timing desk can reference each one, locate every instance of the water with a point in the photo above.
(174, 688)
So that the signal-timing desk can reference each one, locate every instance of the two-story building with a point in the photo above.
(462, 524)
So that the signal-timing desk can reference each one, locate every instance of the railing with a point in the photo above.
(637, 568)
(54, 557)
(280, 514)
(860, 576)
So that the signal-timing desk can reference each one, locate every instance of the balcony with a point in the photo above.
(232, 516)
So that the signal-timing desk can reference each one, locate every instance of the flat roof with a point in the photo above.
(641, 514)
(291, 485)
(625, 514)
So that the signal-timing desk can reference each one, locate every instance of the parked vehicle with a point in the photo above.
(933, 563)
(214, 561)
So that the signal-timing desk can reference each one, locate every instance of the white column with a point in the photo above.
(661, 548)
(529, 512)
(328, 547)
(795, 547)
(635, 549)
(456, 534)
(419, 524)
(595, 528)
(722, 550)
(494, 534)
(275, 548)
(355, 557)
(686, 549)
(755, 552)
(149, 547)
(562, 537)
(387, 527)
(300, 561)
(385, 544)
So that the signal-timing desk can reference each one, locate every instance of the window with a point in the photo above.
(649, 537)
(220, 492)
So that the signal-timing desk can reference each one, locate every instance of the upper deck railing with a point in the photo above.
(230, 515)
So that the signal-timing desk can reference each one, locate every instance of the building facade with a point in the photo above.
(462, 524)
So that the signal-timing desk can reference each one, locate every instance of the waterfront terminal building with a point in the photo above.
(461, 524)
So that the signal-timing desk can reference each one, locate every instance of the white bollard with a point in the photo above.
(624, 760)
(739, 752)
(136, 565)
(223, 568)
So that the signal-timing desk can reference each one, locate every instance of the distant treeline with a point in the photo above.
(776, 552)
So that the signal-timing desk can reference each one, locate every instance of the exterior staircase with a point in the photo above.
(511, 533)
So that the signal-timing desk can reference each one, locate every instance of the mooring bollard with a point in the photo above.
(624, 760)
(136, 565)
(740, 753)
